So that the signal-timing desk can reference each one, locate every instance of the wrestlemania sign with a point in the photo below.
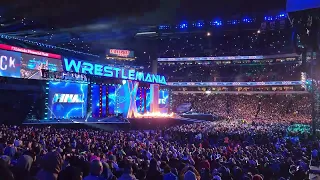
(83, 67)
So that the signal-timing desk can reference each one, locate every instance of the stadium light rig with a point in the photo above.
(216, 23)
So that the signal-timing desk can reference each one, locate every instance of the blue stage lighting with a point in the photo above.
(216, 23)
(164, 27)
(183, 25)
(247, 20)
(234, 22)
(268, 18)
(200, 24)
(282, 15)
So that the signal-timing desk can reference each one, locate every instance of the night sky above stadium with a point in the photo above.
(89, 25)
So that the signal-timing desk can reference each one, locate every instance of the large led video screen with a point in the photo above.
(95, 100)
(99, 98)
(31, 66)
(67, 100)
(122, 98)
(299, 5)
(140, 101)
(10, 63)
(104, 101)
(112, 99)
(148, 99)
(164, 100)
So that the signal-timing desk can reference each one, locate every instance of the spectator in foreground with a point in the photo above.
(127, 173)
(22, 169)
(50, 166)
(96, 169)
(70, 173)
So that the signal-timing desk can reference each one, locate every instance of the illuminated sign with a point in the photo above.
(210, 58)
(112, 72)
(229, 58)
(68, 98)
(215, 84)
(29, 51)
(120, 53)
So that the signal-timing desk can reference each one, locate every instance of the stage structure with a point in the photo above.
(80, 89)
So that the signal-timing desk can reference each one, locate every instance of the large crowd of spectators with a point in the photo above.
(232, 73)
(208, 151)
(227, 43)
(269, 108)
(250, 142)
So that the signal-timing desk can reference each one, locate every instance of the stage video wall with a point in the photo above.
(122, 92)
(116, 99)
(141, 100)
(99, 100)
(22, 65)
(148, 100)
(164, 101)
(116, 96)
(67, 100)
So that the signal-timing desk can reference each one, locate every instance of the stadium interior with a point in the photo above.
(151, 90)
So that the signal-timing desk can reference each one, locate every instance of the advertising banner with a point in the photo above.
(29, 51)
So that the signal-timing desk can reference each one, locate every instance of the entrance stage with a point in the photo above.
(90, 120)
(114, 123)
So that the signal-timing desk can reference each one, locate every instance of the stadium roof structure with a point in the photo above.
(93, 26)
(86, 26)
